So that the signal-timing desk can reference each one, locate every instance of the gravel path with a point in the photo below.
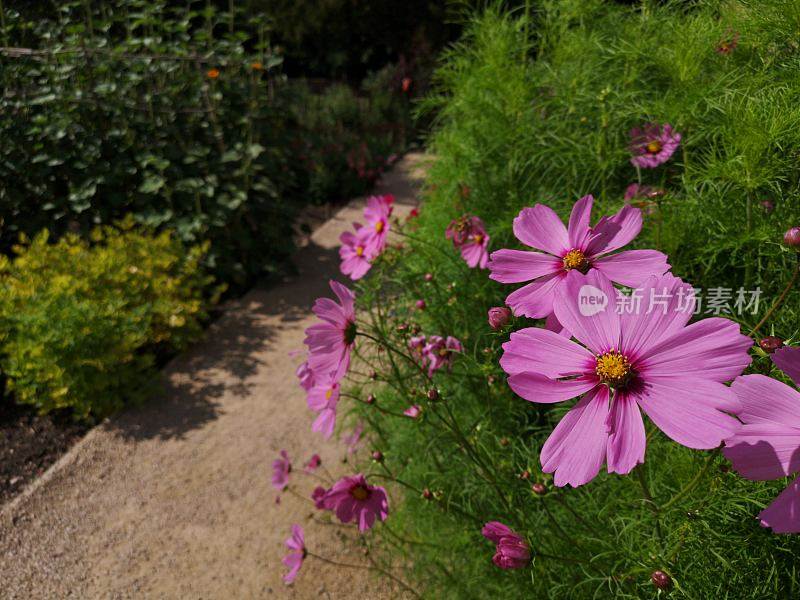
(173, 500)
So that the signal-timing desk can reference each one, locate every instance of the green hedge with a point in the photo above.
(81, 324)
(540, 112)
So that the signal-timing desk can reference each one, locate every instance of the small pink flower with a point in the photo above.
(420, 304)
(356, 252)
(469, 236)
(647, 359)
(323, 398)
(318, 496)
(440, 352)
(353, 499)
(511, 549)
(297, 553)
(728, 44)
(768, 444)
(413, 213)
(499, 317)
(313, 463)
(413, 411)
(281, 467)
(577, 247)
(331, 341)
(653, 144)
(305, 375)
(353, 440)
(377, 213)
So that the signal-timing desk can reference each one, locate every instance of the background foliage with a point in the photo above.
(540, 111)
(81, 323)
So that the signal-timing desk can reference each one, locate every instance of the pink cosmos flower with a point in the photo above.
(313, 463)
(305, 375)
(330, 342)
(511, 551)
(297, 553)
(647, 359)
(499, 317)
(353, 440)
(318, 496)
(323, 398)
(377, 213)
(281, 467)
(416, 345)
(413, 411)
(439, 352)
(578, 248)
(653, 144)
(469, 236)
(768, 444)
(356, 252)
(353, 499)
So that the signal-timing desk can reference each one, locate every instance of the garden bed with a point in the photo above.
(30, 443)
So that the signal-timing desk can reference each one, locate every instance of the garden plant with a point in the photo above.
(576, 366)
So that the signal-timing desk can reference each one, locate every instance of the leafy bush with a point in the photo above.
(545, 119)
(81, 323)
(179, 116)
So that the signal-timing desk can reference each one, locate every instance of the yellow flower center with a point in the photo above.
(654, 147)
(360, 493)
(379, 226)
(613, 369)
(575, 259)
(478, 238)
(359, 250)
(328, 394)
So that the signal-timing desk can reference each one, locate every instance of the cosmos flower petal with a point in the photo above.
(787, 359)
(577, 447)
(632, 267)
(626, 442)
(539, 227)
(662, 307)
(766, 400)
(515, 266)
(599, 331)
(535, 300)
(712, 348)
(690, 420)
(612, 233)
(579, 219)
(495, 530)
(783, 515)
(534, 387)
(545, 352)
(764, 451)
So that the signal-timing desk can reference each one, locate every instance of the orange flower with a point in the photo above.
(212, 73)
(257, 66)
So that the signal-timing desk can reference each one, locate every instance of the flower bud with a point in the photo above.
(504, 442)
(427, 494)
(770, 343)
(433, 394)
(792, 238)
(401, 327)
(499, 317)
(525, 475)
(539, 489)
(377, 456)
(370, 399)
(428, 276)
(373, 375)
(661, 580)
(420, 304)
(768, 206)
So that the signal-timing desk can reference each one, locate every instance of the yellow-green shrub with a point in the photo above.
(80, 321)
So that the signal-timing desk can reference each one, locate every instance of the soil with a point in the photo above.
(30, 443)
(173, 499)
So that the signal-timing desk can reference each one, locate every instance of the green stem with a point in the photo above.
(648, 497)
(781, 298)
(372, 567)
(691, 485)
